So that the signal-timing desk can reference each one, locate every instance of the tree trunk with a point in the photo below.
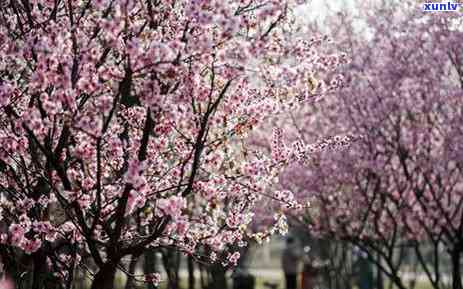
(170, 260)
(150, 265)
(202, 279)
(456, 277)
(218, 277)
(191, 273)
(177, 269)
(379, 278)
(130, 284)
(104, 279)
(38, 276)
(167, 263)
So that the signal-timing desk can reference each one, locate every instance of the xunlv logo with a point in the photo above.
(449, 6)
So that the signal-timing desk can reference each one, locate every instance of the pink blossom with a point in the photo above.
(233, 258)
(172, 206)
(154, 278)
(16, 233)
(234, 220)
(30, 246)
(182, 228)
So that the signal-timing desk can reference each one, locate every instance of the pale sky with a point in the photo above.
(317, 10)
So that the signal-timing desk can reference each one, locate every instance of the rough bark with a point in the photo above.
(104, 279)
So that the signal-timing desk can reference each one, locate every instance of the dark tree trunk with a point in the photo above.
(170, 260)
(150, 265)
(130, 284)
(177, 269)
(167, 263)
(201, 276)
(379, 278)
(11, 265)
(218, 277)
(191, 273)
(38, 277)
(104, 279)
(456, 277)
